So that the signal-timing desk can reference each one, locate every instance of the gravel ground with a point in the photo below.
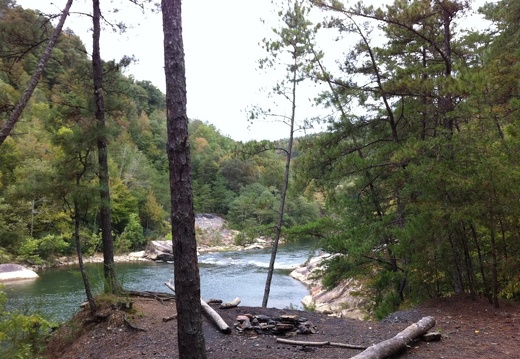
(470, 328)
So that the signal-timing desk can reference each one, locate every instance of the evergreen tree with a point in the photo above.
(400, 174)
(293, 41)
(111, 283)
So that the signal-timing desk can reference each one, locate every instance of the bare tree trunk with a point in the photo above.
(35, 78)
(485, 284)
(283, 195)
(190, 339)
(86, 284)
(111, 283)
(470, 272)
(494, 266)
(394, 345)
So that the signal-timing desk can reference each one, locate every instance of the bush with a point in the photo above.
(36, 250)
(121, 244)
(133, 233)
(5, 256)
(241, 239)
(90, 243)
(21, 335)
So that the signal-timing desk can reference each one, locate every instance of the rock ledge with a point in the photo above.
(10, 272)
(345, 300)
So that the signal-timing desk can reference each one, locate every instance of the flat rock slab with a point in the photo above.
(11, 271)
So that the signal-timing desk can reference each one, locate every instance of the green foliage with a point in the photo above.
(5, 256)
(256, 206)
(153, 215)
(22, 335)
(38, 250)
(337, 268)
(48, 171)
(29, 249)
(419, 183)
(242, 239)
(134, 233)
(389, 304)
(122, 244)
(301, 211)
(124, 204)
(12, 226)
(318, 228)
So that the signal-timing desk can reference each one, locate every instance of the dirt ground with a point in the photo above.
(469, 328)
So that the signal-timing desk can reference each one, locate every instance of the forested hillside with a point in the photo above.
(49, 159)
(415, 181)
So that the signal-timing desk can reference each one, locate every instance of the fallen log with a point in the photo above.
(214, 301)
(234, 303)
(319, 344)
(160, 296)
(217, 319)
(347, 345)
(170, 285)
(398, 343)
(298, 342)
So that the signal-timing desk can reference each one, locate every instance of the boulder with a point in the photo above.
(165, 257)
(15, 272)
(159, 249)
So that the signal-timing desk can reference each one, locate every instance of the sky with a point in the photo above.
(222, 48)
(221, 43)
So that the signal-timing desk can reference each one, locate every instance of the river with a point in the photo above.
(58, 292)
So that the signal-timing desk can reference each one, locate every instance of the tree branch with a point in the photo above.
(33, 82)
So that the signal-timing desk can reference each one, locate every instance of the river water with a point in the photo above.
(57, 293)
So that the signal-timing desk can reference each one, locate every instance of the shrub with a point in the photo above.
(22, 335)
(36, 250)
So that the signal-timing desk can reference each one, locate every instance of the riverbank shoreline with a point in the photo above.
(214, 236)
(147, 256)
(342, 301)
(346, 300)
(212, 232)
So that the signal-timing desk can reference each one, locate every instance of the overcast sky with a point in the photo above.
(221, 42)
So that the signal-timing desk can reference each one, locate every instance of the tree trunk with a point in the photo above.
(281, 210)
(111, 284)
(191, 342)
(398, 343)
(35, 78)
(283, 194)
(494, 265)
(485, 284)
(86, 284)
(210, 312)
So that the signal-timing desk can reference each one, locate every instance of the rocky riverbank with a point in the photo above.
(11, 272)
(345, 300)
(213, 235)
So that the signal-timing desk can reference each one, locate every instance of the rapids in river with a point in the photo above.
(58, 292)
